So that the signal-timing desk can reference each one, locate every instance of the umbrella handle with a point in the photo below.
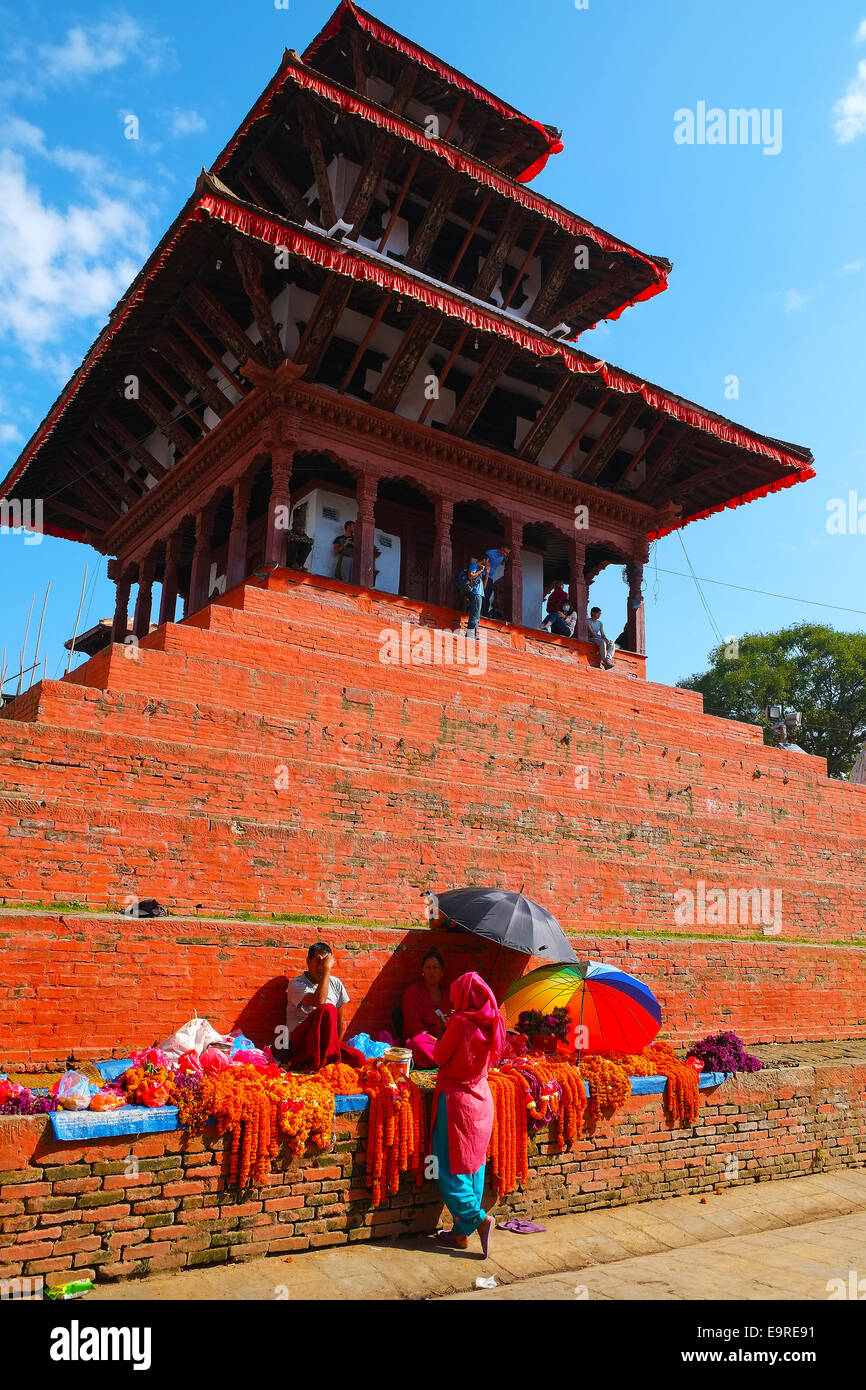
(580, 1024)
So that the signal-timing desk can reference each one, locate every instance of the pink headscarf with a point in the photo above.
(475, 1002)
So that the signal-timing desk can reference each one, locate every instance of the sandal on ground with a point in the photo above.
(449, 1240)
(520, 1227)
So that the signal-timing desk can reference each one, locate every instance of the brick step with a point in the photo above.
(127, 767)
(67, 981)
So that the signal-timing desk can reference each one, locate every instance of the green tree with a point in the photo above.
(807, 667)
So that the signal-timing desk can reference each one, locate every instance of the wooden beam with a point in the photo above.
(322, 323)
(128, 442)
(445, 372)
(236, 382)
(480, 388)
(483, 205)
(88, 481)
(365, 342)
(557, 278)
(433, 221)
(366, 185)
(195, 375)
(399, 201)
(223, 326)
(550, 415)
(649, 438)
(280, 184)
(164, 420)
(359, 63)
(607, 444)
(723, 468)
(474, 130)
(578, 438)
(250, 270)
(578, 312)
(515, 284)
(313, 144)
(503, 244)
(129, 486)
(400, 370)
(93, 523)
(663, 465)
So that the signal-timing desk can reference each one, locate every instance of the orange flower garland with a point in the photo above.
(396, 1130)
(509, 1141)
(682, 1092)
(609, 1085)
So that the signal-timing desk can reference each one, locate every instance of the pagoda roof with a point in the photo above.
(186, 256)
(650, 272)
(546, 139)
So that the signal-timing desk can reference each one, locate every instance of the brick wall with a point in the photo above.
(77, 1211)
(98, 986)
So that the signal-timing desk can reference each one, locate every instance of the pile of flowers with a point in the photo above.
(396, 1132)
(609, 1085)
(534, 1024)
(509, 1142)
(340, 1078)
(19, 1100)
(724, 1052)
(682, 1098)
(530, 1093)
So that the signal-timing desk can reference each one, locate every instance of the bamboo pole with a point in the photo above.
(77, 617)
(24, 648)
(35, 666)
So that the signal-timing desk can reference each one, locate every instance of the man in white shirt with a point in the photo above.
(598, 635)
(314, 1014)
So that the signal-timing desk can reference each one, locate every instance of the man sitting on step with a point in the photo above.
(314, 1015)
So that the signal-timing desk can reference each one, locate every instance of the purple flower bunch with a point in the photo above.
(724, 1052)
(533, 1023)
(28, 1103)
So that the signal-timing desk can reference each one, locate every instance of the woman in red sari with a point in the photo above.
(462, 1114)
(426, 1010)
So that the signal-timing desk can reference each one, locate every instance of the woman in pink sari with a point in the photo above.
(462, 1114)
(426, 1009)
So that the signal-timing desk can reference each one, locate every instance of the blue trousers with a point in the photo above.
(475, 602)
(461, 1192)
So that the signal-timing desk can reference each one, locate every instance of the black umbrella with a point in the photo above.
(509, 919)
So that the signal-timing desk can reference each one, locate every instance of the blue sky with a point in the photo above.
(769, 251)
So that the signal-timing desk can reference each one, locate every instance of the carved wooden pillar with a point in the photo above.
(236, 569)
(144, 602)
(123, 584)
(279, 506)
(635, 626)
(443, 562)
(168, 603)
(513, 578)
(364, 568)
(200, 573)
(578, 590)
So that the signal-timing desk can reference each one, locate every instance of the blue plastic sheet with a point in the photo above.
(77, 1125)
(364, 1043)
(113, 1068)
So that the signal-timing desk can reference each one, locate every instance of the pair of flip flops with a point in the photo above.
(520, 1228)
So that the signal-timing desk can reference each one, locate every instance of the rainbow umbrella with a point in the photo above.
(616, 1012)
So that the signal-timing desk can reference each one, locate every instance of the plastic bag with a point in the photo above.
(241, 1043)
(193, 1036)
(261, 1058)
(365, 1044)
(214, 1060)
(72, 1091)
(9, 1090)
(107, 1100)
(149, 1056)
(190, 1064)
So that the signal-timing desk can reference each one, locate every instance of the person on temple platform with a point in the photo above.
(497, 560)
(344, 550)
(314, 1015)
(462, 1113)
(476, 573)
(426, 1008)
(598, 635)
(554, 621)
(298, 545)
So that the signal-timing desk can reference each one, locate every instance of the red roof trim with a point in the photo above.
(460, 162)
(383, 34)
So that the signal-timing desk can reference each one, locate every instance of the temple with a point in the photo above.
(364, 314)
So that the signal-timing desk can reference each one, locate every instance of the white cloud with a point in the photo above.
(61, 266)
(187, 122)
(793, 301)
(850, 109)
(10, 434)
(89, 50)
(860, 36)
(853, 266)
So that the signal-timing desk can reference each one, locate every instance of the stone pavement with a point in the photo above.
(757, 1241)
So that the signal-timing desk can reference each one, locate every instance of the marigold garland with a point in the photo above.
(340, 1078)
(682, 1092)
(609, 1085)
(396, 1129)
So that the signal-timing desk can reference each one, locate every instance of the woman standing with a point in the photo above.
(462, 1115)
(426, 1008)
